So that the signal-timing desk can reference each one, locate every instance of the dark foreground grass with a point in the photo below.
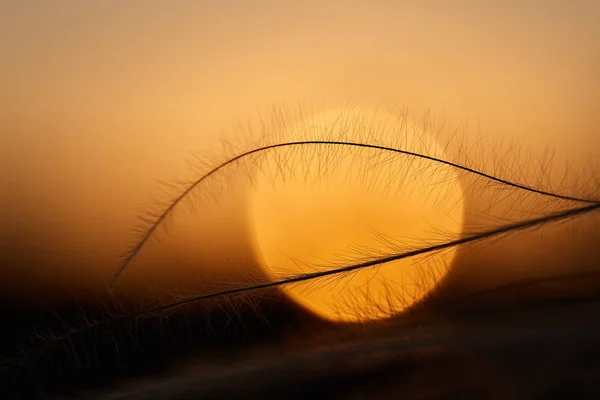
(536, 350)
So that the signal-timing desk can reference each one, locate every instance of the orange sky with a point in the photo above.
(100, 100)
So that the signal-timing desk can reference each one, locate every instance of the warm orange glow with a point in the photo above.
(100, 102)
(344, 215)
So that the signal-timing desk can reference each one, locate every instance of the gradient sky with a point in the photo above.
(100, 100)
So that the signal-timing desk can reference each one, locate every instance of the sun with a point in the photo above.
(345, 204)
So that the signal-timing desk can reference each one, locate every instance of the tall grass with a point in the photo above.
(275, 151)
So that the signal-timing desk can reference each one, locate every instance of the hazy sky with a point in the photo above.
(100, 100)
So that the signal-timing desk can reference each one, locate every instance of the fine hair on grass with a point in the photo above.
(388, 142)
(505, 191)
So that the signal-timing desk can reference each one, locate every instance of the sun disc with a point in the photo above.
(347, 205)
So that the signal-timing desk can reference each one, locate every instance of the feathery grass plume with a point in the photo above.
(287, 150)
(387, 153)
(321, 146)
